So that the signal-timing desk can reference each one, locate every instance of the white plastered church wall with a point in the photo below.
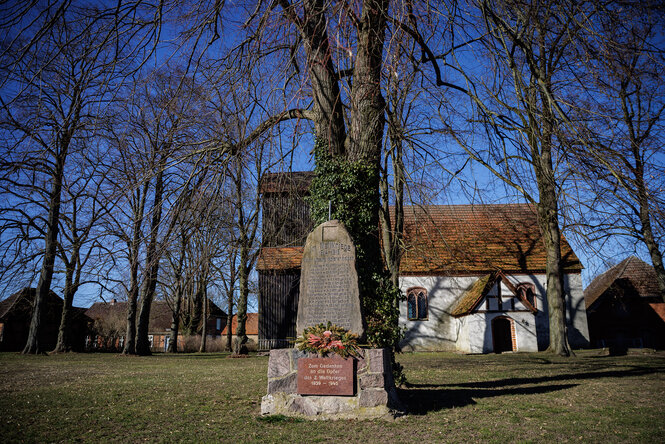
(473, 333)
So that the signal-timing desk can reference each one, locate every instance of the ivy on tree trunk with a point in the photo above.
(351, 190)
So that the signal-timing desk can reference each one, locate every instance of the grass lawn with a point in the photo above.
(451, 398)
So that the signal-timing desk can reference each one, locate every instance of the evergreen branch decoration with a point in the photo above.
(324, 339)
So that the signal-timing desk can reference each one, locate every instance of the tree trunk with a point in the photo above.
(152, 260)
(204, 327)
(548, 220)
(367, 102)
(180, 286)
(543, 125)
(46, 274)
(229, 324)
(364, 144)
(64, 332)
(229, 304)
(547, 217)
(392, 230)
(327, 103)
(132, 296)
(175, 325)
(241, 315)
(197, 309)
(654, 252)
(645, 216)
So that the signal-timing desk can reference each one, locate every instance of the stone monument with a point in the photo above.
(309, 386)
(329, 281)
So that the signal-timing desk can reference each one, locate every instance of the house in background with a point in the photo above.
(625, 307)
(110, 323)
(251, 330)
(16, 314)
(473, 275)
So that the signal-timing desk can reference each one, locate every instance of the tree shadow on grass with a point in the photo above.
(569, 377)
(419, 399)
(423, 401)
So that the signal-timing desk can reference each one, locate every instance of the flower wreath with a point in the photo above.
(325, 338)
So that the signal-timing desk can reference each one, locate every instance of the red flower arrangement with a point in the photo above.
(326, 338)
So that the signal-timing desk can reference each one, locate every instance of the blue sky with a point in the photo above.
(473, 185)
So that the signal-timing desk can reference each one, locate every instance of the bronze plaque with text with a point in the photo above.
(325, 376)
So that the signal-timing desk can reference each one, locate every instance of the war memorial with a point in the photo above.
(328, 385)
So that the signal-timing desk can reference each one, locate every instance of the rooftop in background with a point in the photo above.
(161, 313)
(477, 238)
(460, 239)
(297, 181)
(280, 258)
(640, 274)
(23, 300)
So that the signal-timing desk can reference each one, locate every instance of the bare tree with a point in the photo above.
(126, 199)
(619, 162)
(153, 257)
(247, 224)
(57, 87)
(80, 238)
(151, 184)
(530, 49)
(178, 288)
(208, 245)
(229, 282)
(336, 53)
(169, 128)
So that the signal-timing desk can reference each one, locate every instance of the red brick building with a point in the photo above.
(251, 330)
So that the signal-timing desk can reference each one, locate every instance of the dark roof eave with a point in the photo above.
(447, 272)
(453, 272)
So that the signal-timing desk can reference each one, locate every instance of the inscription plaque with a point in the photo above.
(325, 376)
(328, 280)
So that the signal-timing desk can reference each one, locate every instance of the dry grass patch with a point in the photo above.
(451, 398)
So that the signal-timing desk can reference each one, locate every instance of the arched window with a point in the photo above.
(527, 291)
(417, 303)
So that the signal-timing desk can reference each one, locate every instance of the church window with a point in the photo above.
(528, 291)
(417, 303)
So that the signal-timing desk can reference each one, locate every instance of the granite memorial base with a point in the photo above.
(373, 394)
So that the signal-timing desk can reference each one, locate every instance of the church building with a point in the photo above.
(473, 276)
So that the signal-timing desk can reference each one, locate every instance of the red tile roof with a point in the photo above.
(443, 239)
(23, 300)
(459, 239)
(25, 295)
(659, 308)
(251, 325)
(280, 258)
(640, 274)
